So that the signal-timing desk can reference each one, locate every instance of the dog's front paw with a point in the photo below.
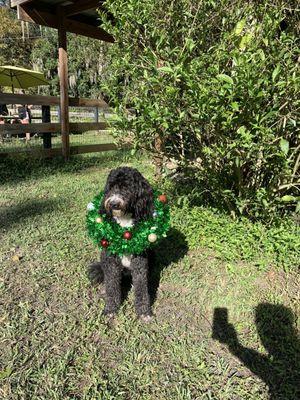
(108, 313)
(146, 318)
(109, 318)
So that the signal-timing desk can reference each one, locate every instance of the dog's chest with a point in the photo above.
(125, 221)
(126, 260)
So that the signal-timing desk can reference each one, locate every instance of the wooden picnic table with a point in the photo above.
(8, 117)
(19, 121)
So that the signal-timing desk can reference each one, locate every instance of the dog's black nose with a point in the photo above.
(115, 204)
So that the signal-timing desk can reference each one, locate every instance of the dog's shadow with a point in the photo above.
(169, 250)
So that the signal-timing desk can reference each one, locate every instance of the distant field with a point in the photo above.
(92, 137)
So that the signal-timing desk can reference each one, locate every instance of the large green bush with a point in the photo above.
(214, 86)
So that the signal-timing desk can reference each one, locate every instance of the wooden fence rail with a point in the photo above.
(47, 153)
(46, 128)
(75, 127)
(36, 100)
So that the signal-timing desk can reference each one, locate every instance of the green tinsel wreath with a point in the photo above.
(110, 235)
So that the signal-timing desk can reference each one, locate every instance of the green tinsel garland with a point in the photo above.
(110, 235)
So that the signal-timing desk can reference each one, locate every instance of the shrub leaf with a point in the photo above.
(225, 78)
(284, 145)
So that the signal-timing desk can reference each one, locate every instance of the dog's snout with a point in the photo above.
(115, 204)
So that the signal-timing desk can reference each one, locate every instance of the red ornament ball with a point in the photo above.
(163, 198)
(127, 235)
(104, 243)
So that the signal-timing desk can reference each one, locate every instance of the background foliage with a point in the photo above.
(13, 51)
(86, 59)
(214, 86)
(37, 47)
(211, 86)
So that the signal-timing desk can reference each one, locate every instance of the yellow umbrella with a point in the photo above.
(21, 78)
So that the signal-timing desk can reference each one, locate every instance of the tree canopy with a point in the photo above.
(13, 50)
(37, 47)
(86, 59)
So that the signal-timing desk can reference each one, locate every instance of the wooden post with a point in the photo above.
(96, 114)
(23, 30)
(46, 117)
(63, 80)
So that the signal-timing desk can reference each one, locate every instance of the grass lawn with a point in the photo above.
(90, 137)
(226, 299)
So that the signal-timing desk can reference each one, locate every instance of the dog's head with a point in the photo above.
(127, 192)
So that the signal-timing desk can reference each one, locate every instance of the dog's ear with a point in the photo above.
(102, 209)
(107, 188)
(143, 206)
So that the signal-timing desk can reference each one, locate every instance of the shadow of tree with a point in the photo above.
(12, 216)
(13, 170)
(280, 369)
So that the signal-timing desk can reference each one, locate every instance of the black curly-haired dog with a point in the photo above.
(128, 199)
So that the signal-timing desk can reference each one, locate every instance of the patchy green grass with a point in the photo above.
(225, 310)
(276, 245)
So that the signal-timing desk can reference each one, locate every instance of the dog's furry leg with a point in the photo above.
(140, 282)
(112, 270)
(95, 273)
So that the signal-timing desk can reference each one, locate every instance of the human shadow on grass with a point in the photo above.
(169, 250)
(17, 215)
(280, 369)
(13, 170)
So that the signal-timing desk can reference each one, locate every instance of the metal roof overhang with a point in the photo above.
(79, 16)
